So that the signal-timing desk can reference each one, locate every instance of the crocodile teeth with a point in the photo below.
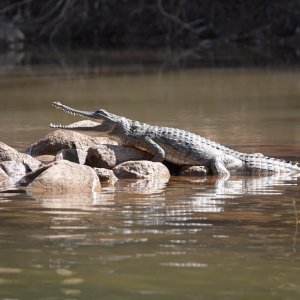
(56, 125)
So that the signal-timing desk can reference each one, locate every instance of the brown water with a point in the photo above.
(208, 239)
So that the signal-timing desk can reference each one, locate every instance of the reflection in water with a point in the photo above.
(143, 186)
(79, 201)
(117, 240)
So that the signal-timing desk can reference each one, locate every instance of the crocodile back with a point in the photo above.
(184, 147)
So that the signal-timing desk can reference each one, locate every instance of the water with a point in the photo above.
(203, 239)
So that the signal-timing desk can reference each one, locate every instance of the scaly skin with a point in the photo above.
(178, 146)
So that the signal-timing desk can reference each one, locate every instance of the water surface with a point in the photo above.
(203, 239)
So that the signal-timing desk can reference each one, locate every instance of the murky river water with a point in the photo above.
(209, 239)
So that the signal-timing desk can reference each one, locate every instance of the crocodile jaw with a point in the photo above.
(74, 112)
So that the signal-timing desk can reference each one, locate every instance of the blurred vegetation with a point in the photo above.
(211, 32)
(150, 23)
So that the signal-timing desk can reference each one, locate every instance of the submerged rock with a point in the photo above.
(109, 156)
(65, 139)
(64, 176)
(106, 175)
(195, 171)
(142, 170)
(8, 153)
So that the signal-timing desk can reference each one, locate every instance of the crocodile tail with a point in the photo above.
(258, 163)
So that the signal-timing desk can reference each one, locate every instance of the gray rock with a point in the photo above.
(10, 154)
(106, 176)
(195, 171)
(142, 170)
(109, 156)
(65, 177)
(74, 155)
(64, 139)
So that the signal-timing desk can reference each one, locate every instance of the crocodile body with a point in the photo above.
(178, 146)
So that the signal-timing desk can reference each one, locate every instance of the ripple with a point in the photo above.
(72, 281)
(5, 270)
(71, 292)
(64, 272)
(184, 265)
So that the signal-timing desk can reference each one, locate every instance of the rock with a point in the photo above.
(92, 132)
(65, 177)
(109, 156)
(10, 154)
(194, 171)
(29, 177)
(74, 155)
(106, 175)
(45, 159)
(13, 169)
(64, 139)
(142, 170)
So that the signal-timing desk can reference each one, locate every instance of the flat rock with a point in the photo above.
(65, 177)
(64, 139)
(8, 153)
(142, 170)
(194, 171)
(109, 156)
(106, 176)
(74, 155)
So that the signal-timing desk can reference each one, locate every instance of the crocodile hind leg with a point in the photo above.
(218, 168)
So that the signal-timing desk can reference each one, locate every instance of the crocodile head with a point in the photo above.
(107, 120)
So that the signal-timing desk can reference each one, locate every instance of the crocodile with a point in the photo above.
(178, 146)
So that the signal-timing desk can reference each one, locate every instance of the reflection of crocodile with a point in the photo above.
(177, 146)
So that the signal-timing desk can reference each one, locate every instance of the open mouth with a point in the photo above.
(71, 111)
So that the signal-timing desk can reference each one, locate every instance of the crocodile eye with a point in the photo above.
(102, 112)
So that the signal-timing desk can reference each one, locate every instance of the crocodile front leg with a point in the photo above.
(153, 148)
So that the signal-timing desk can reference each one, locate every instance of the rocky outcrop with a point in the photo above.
(10, 154)
(109, 156)
(64, 139)
(65, 177)
(142, 170)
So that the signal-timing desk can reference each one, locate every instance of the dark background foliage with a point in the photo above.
(152, 23)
